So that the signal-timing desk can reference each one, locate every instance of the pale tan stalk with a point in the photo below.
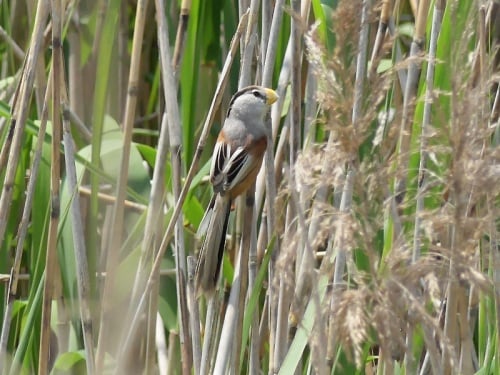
(284, 298)
(230, 340)
(102, 7)
(385, 14)
(115, 243)
(174, 132)
(270, 174)
(304, 258)
(180, 38)
(109, 199)
(266, 183)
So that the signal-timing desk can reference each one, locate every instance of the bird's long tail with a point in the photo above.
(212, 250)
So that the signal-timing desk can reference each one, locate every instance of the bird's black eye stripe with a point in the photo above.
(258, 94)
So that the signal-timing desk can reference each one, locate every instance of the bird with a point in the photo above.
(236, 161)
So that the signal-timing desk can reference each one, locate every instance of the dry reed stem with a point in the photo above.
(109, 199)
(115, 243)
(269, 178)
(172, 131)
(230, 338)
(385, 13)
(180, 38)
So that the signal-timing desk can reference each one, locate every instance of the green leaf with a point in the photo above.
(299, 343)
(384, 65)
(407, 29)
(149, 155)
(193, 211)
(69, 360)
(168, 312)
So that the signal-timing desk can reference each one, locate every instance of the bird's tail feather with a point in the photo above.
(212, 249)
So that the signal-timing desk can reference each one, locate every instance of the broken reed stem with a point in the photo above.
(180, 38)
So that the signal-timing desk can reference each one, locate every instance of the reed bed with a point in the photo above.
(370, 243)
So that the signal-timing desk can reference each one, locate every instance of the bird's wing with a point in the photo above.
(228, 169)
(219, 161)
(204, 224)
(237, 168)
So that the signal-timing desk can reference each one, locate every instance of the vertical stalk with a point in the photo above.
(270, 178)
(51, 266)
(385, 14)
(410, 92)
(230, 340)
(422, 183)
(231, 329)
(115, 242)
(194, 316)
(429, 80)
(83, 280)
(180, 38)
(175, 138)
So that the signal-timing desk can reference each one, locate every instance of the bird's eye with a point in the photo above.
(258, 94)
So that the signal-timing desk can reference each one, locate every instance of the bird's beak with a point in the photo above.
(271, 96)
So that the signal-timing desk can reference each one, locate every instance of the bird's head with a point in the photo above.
(251, 101)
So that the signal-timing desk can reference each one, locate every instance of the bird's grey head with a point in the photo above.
(251, 102)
